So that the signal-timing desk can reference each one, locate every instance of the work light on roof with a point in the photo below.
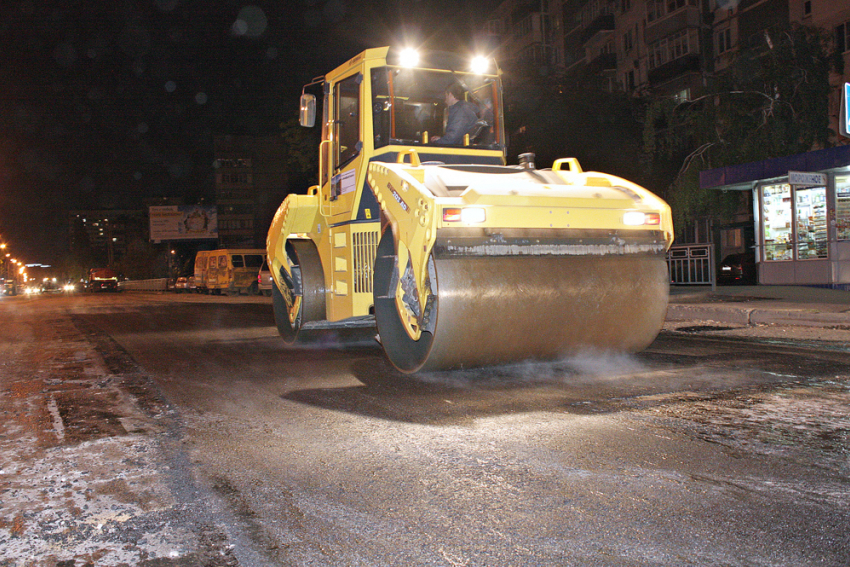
(409, 58)
(480, 65)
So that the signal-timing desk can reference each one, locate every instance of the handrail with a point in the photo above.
(572, 162)
(322, 211)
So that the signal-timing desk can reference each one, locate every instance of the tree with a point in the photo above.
(574, 117)
(301, 154)
(771, 102)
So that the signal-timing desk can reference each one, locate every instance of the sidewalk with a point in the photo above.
(761, 305)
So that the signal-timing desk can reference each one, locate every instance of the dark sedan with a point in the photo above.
(737, 269)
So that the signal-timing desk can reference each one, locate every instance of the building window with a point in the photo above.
(724, 41)
(234, 162)
(669, 49)
(654, 10)
(524, 27)
(807, 8)
(625, 5)
(235, 178)
(494, 27)
(842, 37)
(673, 5)
(628, 40)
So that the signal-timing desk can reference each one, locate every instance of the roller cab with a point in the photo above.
(455, 257)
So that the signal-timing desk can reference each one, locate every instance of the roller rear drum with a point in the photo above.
(501, 309)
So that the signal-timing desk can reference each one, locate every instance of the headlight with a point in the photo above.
(467, 215)
(637, 218)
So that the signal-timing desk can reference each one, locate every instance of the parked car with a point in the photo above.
(264, 279)
(181, 285)
(738, 269)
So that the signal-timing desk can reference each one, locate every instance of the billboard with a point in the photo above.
(183, 222)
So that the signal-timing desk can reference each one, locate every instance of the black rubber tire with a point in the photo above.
(406, 354)
(303, 254)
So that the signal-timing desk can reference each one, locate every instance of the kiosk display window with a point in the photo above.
(811, 223)
(778, 231)
(842, 208)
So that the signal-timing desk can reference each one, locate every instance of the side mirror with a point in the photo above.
(307, 115)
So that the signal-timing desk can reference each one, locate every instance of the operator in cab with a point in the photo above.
(462, 117)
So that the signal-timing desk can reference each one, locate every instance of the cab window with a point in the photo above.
(347, 100)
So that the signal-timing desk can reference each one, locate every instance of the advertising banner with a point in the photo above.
(183, 222)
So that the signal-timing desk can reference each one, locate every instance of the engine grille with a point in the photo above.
(365, 248)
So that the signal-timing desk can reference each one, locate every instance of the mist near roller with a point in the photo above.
(589, 366)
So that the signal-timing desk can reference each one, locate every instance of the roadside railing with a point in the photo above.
(159, 284)
(691, 264)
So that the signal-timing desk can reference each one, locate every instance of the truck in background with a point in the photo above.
(102, 279)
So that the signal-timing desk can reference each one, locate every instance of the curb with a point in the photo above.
(755, 316)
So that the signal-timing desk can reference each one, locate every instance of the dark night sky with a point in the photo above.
(106, 102)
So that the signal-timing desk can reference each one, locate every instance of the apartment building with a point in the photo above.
(105, 233)
(250, 183)
(652, 47)
(518, 33)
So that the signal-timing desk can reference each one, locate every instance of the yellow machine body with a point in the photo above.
(457, 258)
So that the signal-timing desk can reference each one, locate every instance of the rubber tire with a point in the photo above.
(403, 352)
(306, 256)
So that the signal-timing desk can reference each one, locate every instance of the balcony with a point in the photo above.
(688, 17)
(687, 64)
(604, 62)
(602, 23)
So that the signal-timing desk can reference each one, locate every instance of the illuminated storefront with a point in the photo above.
(801, 213)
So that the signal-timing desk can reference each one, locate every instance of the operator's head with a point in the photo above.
(454, 93)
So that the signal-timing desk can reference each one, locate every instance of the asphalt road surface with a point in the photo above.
(153, 429)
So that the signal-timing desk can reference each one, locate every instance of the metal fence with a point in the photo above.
(691, 264)
(159, 284)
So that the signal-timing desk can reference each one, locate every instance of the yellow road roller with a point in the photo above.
(458, 259)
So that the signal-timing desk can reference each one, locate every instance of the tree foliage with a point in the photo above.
(575, 118)
(301, 155)
(771, 102)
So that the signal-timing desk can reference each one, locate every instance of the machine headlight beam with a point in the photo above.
(466, 215)
(638, 218)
